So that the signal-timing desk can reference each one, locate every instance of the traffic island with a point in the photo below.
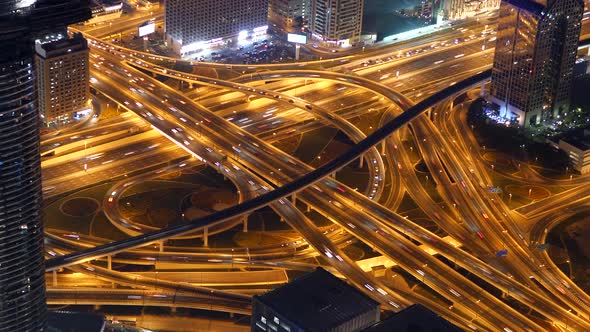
(80, 207)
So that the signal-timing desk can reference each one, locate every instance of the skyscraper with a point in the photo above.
(336, 23)
(62, 78)
(22, 283)
(285, 15)
(22, 298)
(534, 58)
(192, 24)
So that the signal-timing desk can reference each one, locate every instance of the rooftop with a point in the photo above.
(65, 321)
(528, 5)
(318, 294)
(63, 46)
(579, 139)
(414, 318)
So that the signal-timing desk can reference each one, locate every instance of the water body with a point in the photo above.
(379, 17)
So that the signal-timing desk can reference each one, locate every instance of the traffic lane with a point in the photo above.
(114, 155)
(211, 122)
(80, 179)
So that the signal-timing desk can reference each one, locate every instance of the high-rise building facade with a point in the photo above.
(285, 16)
(22, 282)
(336, 23)
(192, 24)
(534, 59)
(62, 78)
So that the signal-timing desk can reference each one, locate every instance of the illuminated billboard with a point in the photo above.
(147, 28)
(295, 38)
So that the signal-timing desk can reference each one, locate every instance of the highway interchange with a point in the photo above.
(279, 101)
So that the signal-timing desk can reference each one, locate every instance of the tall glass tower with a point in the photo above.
(22, 282)
(535, 53)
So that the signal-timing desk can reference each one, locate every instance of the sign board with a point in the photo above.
(147, 28)
(295, 38)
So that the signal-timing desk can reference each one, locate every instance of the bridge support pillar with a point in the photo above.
(206, 237)
(245, 223)
(308, 208)
(54, 272)
(231, 315)
(191, 85)
(334, 175)
(383, 146)
(294, 199)
(362, 157)
(173, 309)
(161, 246)
(452, 105)
(110, 267)
(482, 92)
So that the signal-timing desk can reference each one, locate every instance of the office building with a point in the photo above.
(287, 16)
(192, 25)
(576, 145)
(336, 23)
(534, 59)
(62, 79)
(22, 282)
(317, 301)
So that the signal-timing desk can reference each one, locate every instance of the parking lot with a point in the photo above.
(266, 49)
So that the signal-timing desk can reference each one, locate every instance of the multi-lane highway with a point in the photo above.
(481, 224)
(265, 170)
